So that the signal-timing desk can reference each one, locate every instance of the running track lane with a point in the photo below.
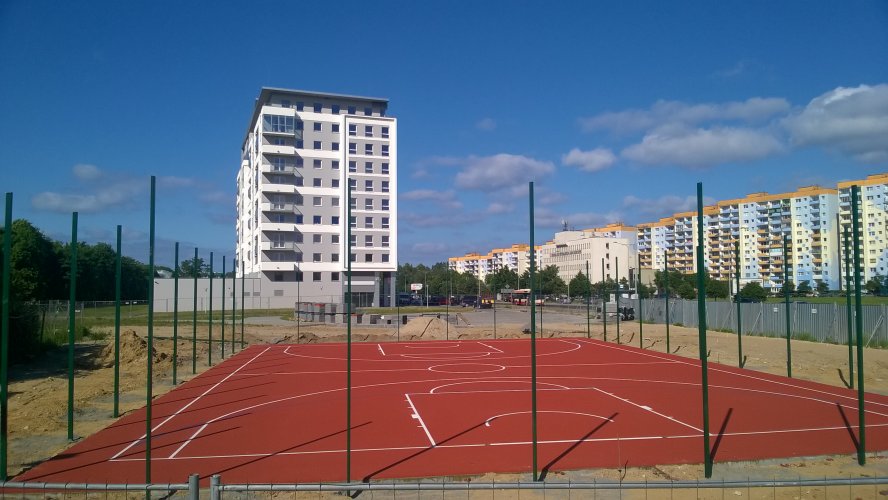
(277, 414)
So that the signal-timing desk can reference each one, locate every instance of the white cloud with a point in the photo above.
(851, 120)
(446, 199)
(502, 171)
(429, 248)
(220, 197)
(703, 147)
(108, 196)
(413, 219)
(547, 218)
(756, 109)
(496, 208)
(486, 124)
(663, 206)
(86, 172)
(589, 161)
(172, 181)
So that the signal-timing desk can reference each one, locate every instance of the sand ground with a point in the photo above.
(38, 398)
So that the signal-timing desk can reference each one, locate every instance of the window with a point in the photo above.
(299, 199)
(368, 111)
(354, 222)
(353, 240)
(385, 222)
(299, 144)
(368, 185)
(316, 276)
(368, 241)
(353, 183)
(315, 257)
(298, 257)
(317, 144)
(335, 146)
(353, 257)
(299, 162)
(317, 107)
(317, 164)
(300, 105)
(334, 128)
(385, 204)
(334, 239)
(352, 148)
(353, 203)
(385, 241)
(385, 257)
(368, 167)
(298, 218)
(368, 222)
(300, 125)
(279, 276)
(316, 238)
(335, 220)
(385, 168)
(368, 149)
(385, 186)
(352, 110)
(352, 129)
(316, 182)
(334, 257)
(335, 201)
(317, 126)
(352, 166)
(385, 132)
(385, 150)
(335, 164)
(334, 276)
(335, 183)
(335, 109)
(317, 201)
(368, 130)
(316, 219)
(298, 275)
(278, 123)
(368, 204)
(299, 181)
(368, 257)
(279, 141)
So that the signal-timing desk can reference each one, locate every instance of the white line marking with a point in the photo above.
(487, 422)
(490, 347)
(648, 408)
(417, 416)
(195, 400)
(380, 349)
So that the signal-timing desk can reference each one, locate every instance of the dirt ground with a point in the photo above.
(38, 395)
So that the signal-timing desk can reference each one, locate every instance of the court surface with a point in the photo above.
(277, 413)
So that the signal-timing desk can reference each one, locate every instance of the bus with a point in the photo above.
(521, 297)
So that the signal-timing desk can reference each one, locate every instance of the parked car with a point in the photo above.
(405, 299)
(469, 301)
(437, 300)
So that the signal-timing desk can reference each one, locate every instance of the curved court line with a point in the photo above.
(491, 419)
(432, 391)
(744, 375)
(432, 346)
(499, 368)
(443, 356)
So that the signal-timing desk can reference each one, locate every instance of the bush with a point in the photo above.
(24, 331)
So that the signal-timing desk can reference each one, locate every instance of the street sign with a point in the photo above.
(415, 287)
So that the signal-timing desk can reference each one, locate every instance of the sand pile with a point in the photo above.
(133, 348)
(425, 327)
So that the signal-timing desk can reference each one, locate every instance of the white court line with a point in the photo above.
(180, 410)
(649, 409)
(379, 346)
(487, 422)
(417, 416)
(491, 347)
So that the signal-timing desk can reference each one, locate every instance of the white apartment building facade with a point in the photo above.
(570, 251)
(301, 153)
(873, 222)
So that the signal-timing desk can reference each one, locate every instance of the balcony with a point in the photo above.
(277, 207)
(286, 246)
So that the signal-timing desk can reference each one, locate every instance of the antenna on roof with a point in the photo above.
(564, 224)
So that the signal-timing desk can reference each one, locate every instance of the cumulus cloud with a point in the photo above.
(663, 206)
(589, 161)
(852, 120)
(428, 248)
(501, 171)
(446, 199)
(703, 147)
(548, 218)
(486, 124)
(496, 208)
(108, 196)
(426, 220)
(756, 109)
(86, 172)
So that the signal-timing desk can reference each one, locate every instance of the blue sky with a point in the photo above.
(615, 109)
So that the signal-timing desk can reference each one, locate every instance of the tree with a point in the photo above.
(716, 289)
(753, 292)
(503, 278)
(804, 288)
(579, 285)
(789, 286)
(645, 291)
(822, 288)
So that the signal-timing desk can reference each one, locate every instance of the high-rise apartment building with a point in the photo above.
(301, 153)
(873, 222)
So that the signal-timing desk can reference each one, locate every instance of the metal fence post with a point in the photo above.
(215, 482)
(194, 487)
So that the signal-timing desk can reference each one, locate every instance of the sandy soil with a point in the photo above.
(38, 394)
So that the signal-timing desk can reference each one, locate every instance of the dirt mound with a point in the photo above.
(133, 348)
(425, 327)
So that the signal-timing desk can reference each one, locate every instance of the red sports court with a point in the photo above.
(277, 414)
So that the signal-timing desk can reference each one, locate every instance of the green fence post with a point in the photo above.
(222, 313)
(72, 305)
(233, 304)
(701, 312)
(117, 293)
(149, 377)
(604, 301)
(666, 286)
(195, 272)
(210, 317)
(848, 311)
(588, 301)
(243, 301)
(4, 341)
(786, 301)
(176, 312)
(858, 323)
(740, 360)
(348, 312)
(617, 296)
(533, 367)
(638, 293)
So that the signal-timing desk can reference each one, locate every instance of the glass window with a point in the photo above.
(353, 240)
(334, 276)
(298, 238)
(335, 146)
(317, 107)
(278, 123)
(317, 126)
(353, 223)
(368, 111)
(298, 218)
(385, 150)
(315, 257)
(368, 240)
(352, 129)
(316, 182)
(334, 257)
(335, 220)
(368, 222)
(385, 241)
(385, 132)
(316, 219)
(299, 199)
(335, 164)
(299, 144)
(334, 238)
(317, 144)
(368, 149)
(353, 166)
(385, 204)
(385, 168)
(353, 257)
(352, 110)
(368, 204)
(316, 238)
(317, 163)
(298, 256)
(353, 183)
(335, 183)
(298, 275)
(385, 257)
(317, 201)
(335, 201)
(335, 127)
(299, 181)
(385, 222)
(385, 186)
(316, 276)
(300, 125)
(368, 167)
(368, 130)
(300, 105)
(299, 162)
(353, 203)
(368, 185)
(335, 109)
(368, 257)
(352, 148)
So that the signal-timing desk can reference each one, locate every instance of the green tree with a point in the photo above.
(789, 286)
(645, 291)
(716, 289)
(804, 288)
(822, 288)
(753, 292)
(579, 285)
(503, 278)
